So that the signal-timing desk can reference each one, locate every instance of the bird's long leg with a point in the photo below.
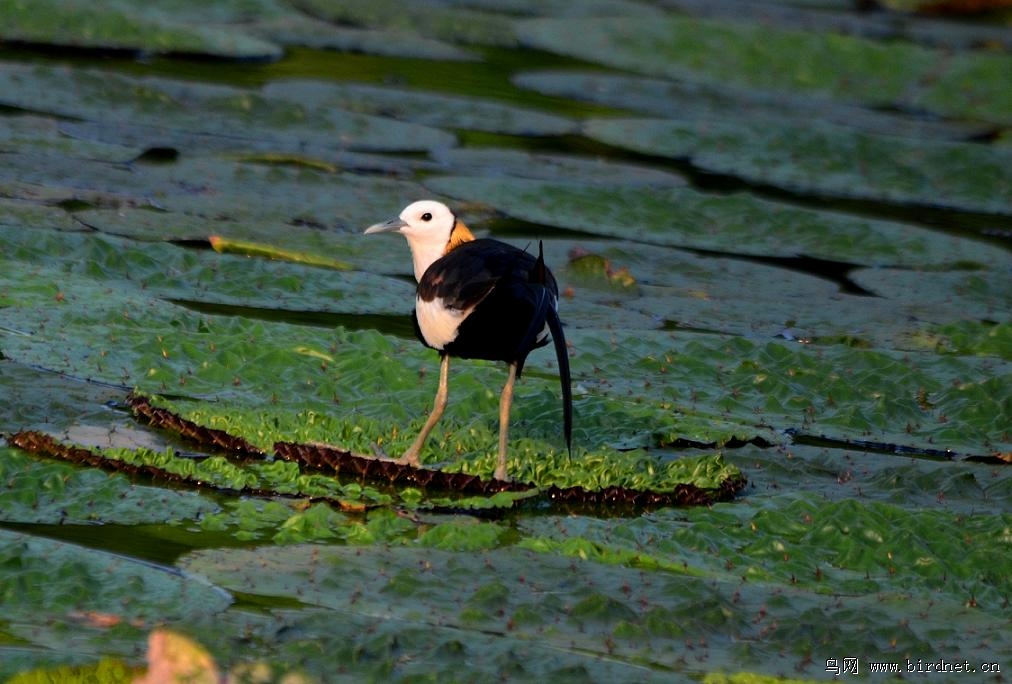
(505, 401)
(438, 406)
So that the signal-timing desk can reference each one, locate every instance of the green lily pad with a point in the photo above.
(453, 25)
(421, 107)
(40, 135)
(305, 201)
(826, 160)
(516, 596)
(51, 588)
(957, 403)
(968, 338)
(947, 488)
(493, 161)
(754, 55)
(124, 25)
(18, 213)
(302, 30)
(57, 493)
(222, 111)
(207, 278)
(704, 100)
(737, 223)
(854, 370)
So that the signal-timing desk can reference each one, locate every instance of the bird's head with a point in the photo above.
(431, 230)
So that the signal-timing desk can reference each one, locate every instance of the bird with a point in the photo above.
(479, 298)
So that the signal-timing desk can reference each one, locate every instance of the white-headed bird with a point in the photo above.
(479, 299)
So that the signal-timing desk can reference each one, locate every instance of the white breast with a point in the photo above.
(438, 323)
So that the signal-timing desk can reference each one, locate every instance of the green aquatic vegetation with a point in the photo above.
(726, 102)
(858, 548)
(460, 26)
(126, 25)
(277, 477)
(810, 229)
(108, 670)
(946, 402)
(822, 159)
(738, 223)
(422, 107)
(979, 338)
(223, 112)
(756, 55)
(50, 588)
(57, 493)
(463, 536)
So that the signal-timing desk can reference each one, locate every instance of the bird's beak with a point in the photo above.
(391, 226)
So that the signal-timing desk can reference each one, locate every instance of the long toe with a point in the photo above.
(410, 459)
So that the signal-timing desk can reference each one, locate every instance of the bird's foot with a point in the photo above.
(410, 459)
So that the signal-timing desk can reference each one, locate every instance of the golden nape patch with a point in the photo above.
(458, 236)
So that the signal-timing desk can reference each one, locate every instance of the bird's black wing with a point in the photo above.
(466, 275)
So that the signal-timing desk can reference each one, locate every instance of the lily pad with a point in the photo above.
(431, 20)
(421, 107)
(36, 134)
(967, 84)
(305, 199)
(124, 25)
(218, 110)
(52, 587)
(824, 160)
(514, 596)
(495, 161)
(893, 398)
(694, 101)
(299, 29)
(737, 223)
(853, 369)
(207, 278)
(55, 493)
(23, 212)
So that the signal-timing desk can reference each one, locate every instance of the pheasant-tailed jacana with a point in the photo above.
(479, 299)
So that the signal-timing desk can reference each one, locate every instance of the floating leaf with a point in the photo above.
(301, 30)
(496, 161)
(459, 26)
(225, 112)
(695, 101)
(737, 223)
(56, 493)
(967, 84)
(122, 25)
(826, 160)
(45, 583)
(420, 106)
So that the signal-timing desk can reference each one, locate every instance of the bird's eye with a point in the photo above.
(426, 216)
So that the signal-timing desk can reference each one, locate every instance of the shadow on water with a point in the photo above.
(397, 325)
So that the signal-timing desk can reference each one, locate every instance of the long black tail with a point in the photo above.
(562, 355)
(545, 304)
